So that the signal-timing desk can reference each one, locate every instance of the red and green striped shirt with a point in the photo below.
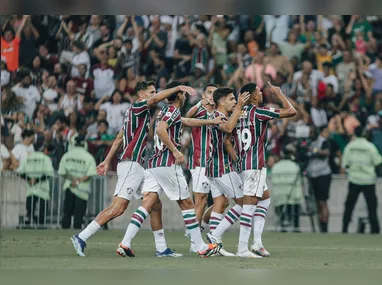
(161, 155)
(219, 162)
(200, 141)
(135, 131)
(251, 136)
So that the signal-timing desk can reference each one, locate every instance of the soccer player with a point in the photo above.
(165, 174)
(224, 179)
(130, 171)
(199, 153)
(251, 134)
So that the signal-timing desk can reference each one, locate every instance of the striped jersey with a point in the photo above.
(135, 131)
(219, 162)
(200, 141)
(161, 155)
(251, 136)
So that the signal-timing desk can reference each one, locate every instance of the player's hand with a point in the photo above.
(188, 90)
(275, 89)
(102, 168)
(243, 98)
(179, 157)
(219, 120)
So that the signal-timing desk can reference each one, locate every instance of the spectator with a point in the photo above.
(49, 60)
(9, 106)
(18, 127)
(28, 43)
(156, 38)
(200, 51)
(314, 76)
(276, 28)
(127, 85)
(5, 74)
(80, 57)
(104, 77)
(10, 44)
(5, 161)
(360, 158)
(291, 48)
(376, 70)
(77, 167)
(100, 143)
(256, 71)
(50, 95)
(359, 24)
(330, 78)
(36, 169)
(71, 101)
(84, 36)
(320, 175)
(344, 68)
(28, 94)
(21, 151)
(94, 27)
(85, 85)
(115, 110)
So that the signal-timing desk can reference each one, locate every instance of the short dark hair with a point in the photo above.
(49, 147)
(249, 87)
(27, 133)
(327, 64)
(143, 85)
(221, 93)
(78, 44)
(173, 96)
(100, 122)
(62, 119)
(209, 85)
(358, 131)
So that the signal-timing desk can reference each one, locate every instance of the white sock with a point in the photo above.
(245, 226)
(259, 220)
(215, 220)
(135, 224)
(160, 241)
(89, 231)
(229, 219)
(193, 228)
(203, 226)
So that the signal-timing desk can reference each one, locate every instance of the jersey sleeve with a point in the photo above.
(201, 113)
(170, 115)
(266, 114)
(139, 108)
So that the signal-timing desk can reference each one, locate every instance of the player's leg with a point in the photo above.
(252, 191)
(151, 192)
(130, 177)
(231, 185)
(174, 184)
(259, 222)
(157, 227)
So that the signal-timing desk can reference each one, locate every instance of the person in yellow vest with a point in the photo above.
(77, 167)
(36, 169)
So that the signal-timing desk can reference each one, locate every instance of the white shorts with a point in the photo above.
(254, 182)
(229, 185)
(130, 178)
(169, 180)
(200, 182)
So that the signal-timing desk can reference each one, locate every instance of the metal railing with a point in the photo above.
(43, 213)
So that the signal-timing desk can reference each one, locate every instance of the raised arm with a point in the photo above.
(231, 123)
(168, 92)
(190, 122)
(287, 110)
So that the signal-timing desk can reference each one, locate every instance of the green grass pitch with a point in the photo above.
(46, 249)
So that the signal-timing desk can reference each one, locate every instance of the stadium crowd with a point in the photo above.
(69, 75)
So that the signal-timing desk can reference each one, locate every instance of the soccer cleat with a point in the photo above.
(225, 253)
(211, 250)
(79, 245)
(212, 239)
(168, 253)
(125, 251)
(248, 254)
(260, 250)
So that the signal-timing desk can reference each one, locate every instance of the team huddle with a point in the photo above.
(226, 159)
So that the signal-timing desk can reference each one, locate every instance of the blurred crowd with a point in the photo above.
(71, 75)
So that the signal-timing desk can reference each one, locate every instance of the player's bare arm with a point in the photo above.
(103, 167)
(229, 147)
(168, 92)
(161, 131)
(287, 110)
(190, 122)
(231, 123)
(194, 110)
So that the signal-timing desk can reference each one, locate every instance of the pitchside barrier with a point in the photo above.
(13, 206)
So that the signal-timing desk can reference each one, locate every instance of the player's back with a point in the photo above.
(135, 132)
(251, 131)
(161, 155)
